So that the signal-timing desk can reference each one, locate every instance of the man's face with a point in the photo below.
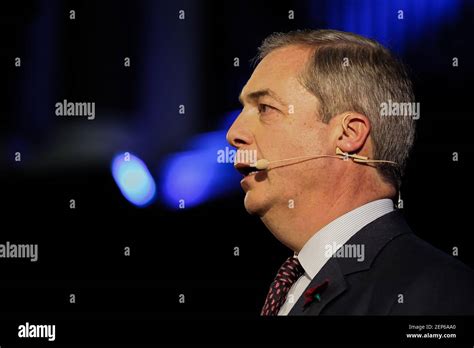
(279, 120)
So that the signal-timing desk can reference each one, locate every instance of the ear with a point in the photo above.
(351, 131)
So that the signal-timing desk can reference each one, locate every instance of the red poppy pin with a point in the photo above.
(314, 293)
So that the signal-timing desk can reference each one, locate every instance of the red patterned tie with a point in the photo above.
(288, 273)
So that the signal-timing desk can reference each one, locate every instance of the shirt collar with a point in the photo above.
(313, 255)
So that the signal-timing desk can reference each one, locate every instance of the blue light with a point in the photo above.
(229, 119)
(133, 179)
(379, 19)
(188, 177)
(195, 176)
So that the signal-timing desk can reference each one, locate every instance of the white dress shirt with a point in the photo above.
(319, 248)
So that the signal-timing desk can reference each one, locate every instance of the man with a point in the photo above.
(329, 166)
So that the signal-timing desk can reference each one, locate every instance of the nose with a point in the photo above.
(239, 134)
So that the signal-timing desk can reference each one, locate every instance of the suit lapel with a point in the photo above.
(337, 285)
(374, 237)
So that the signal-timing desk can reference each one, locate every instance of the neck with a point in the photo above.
(294, 227)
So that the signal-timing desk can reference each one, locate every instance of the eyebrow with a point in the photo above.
(259, 94)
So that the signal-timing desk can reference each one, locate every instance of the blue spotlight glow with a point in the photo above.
(394, 23)
(188, 177)
(229, 118)
(133, 179)
(196, 176)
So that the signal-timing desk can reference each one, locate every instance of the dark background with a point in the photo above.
(189, 62)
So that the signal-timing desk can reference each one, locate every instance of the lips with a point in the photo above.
(245, 169)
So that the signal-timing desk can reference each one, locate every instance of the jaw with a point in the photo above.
(294, 215)
(255, 203)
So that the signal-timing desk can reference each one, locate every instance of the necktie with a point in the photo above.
(288, 273)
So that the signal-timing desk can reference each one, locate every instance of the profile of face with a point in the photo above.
(279, 120)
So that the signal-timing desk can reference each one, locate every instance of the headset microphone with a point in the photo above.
(264, 164)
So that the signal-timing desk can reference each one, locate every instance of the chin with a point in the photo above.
(255, 204)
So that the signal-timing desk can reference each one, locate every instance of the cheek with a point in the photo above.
(272, 144)
(286, 182)
(307, 142)
(292, 183)
(293, 137)
(300, 176)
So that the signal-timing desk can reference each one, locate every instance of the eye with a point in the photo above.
(264, 108)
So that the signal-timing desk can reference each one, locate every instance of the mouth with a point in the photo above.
(245, 169)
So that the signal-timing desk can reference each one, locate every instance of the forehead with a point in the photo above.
(279, 70)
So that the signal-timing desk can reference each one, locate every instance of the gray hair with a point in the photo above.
(372, 76)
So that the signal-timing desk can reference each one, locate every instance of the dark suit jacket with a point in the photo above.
(396, 263)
